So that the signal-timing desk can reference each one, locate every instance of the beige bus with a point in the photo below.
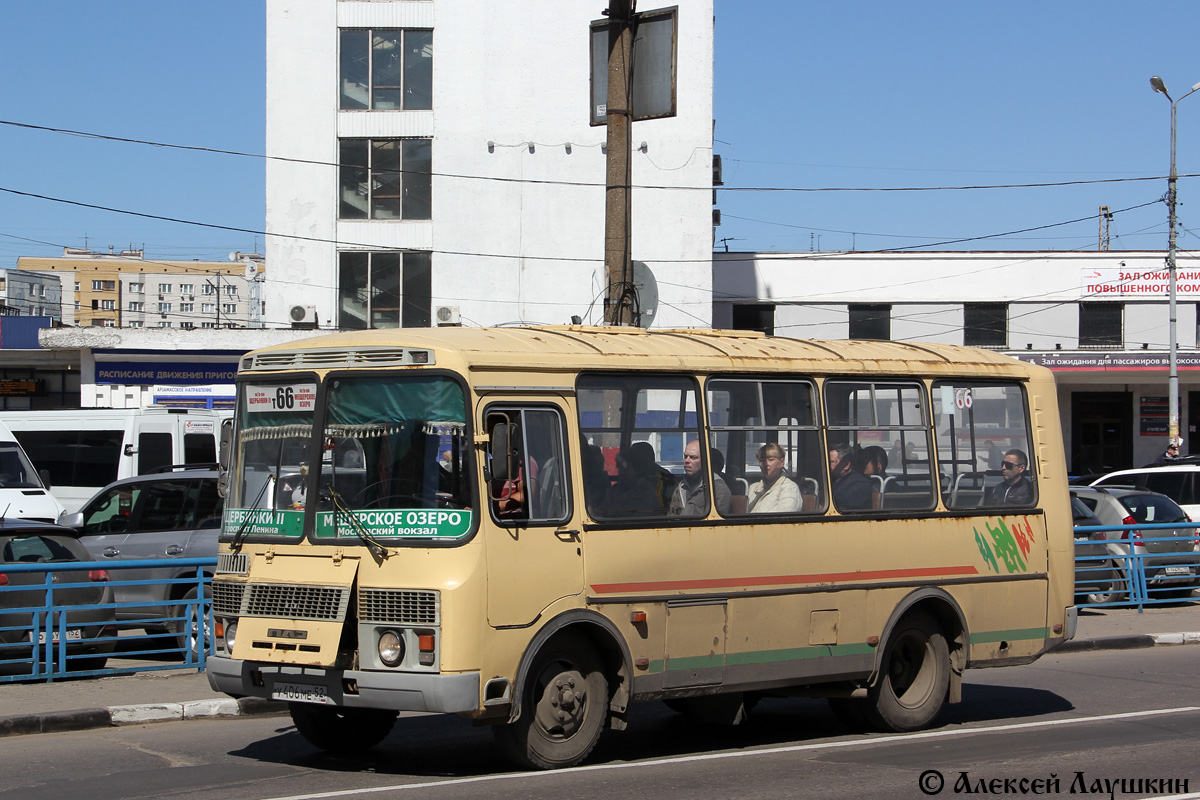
(536, 527)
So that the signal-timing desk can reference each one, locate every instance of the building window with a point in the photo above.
(208, 324)
(187, 326)
(231, 290)
(164, 308)
(164, 288)
(187, 288)
(208, 308)
(187, 307)
(137, 288)
(164, 324)
(108, 323)
(386, 70)
(871, 321)
(385, 179)
(985, 324)
(136, 305)
(229, 308)
(108, 305)
(384, 290)
(1101, 325)
(103, 286)
(135, 324)
(757, 317)
(207, 288)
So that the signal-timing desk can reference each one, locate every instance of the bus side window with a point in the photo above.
(531, 481)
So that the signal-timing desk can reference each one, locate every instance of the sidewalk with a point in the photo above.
(185, 694)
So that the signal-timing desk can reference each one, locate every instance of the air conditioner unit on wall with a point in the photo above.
(303, 315)
(448, 315)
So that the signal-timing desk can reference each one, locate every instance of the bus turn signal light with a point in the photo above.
(637, 617)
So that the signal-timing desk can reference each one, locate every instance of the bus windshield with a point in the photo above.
(392, 460)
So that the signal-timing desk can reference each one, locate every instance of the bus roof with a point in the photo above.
(573, 348)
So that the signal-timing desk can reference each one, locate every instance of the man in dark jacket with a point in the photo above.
(851, 489)
(1016, 489)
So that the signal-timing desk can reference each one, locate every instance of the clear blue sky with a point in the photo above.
(807, 95)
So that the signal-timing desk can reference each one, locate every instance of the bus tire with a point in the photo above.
(914, 677)
(563, 707)
(342, 730)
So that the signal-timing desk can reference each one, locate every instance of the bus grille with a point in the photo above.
(232, 563)
(297, 602)
(399, 606)
(227, 597)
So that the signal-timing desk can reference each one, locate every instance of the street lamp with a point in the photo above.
(1156, 83)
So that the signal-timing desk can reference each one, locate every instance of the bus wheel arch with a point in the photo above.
(920, 662)
(572, 683)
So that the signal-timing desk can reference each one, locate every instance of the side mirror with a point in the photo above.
(224, 448)
(44, 474)
(500, 452)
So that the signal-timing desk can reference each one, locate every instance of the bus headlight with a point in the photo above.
(391, 648)
(230, 636)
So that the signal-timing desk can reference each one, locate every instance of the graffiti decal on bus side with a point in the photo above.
(1002, 543)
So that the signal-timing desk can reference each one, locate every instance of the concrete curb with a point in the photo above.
(88, 718)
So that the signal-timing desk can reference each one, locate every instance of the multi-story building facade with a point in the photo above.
(1100, 320)
(434, 160)
(124, 290)
(27, 294)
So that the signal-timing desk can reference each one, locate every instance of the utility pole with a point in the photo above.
(1105, 219)
(619, 299)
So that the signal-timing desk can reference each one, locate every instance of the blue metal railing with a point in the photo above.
(48, 638)
(1121, 576)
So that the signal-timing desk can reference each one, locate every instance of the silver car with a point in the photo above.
(1169, 556)
(172, 515)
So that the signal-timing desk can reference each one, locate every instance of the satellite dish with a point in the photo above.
(647, 291)
(251, 269)
(233, 255)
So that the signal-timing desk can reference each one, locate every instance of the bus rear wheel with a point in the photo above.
(342, 730)
(914, 678)
(563, 707)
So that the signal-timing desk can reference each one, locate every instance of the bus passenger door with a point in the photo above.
(534, 547)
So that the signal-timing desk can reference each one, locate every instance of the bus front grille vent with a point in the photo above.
(227, 597)
(399, 606)
(232, 563)
(297, 602)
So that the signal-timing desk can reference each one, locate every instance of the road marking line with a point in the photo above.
(906, 737)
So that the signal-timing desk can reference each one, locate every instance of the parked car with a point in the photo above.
(1171, 558)
(30, 542)
(1094, 573)
(173, 514)
(1179, 481)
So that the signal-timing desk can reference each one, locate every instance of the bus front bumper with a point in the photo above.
(401, 691)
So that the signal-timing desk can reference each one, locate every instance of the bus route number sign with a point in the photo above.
(290, 397)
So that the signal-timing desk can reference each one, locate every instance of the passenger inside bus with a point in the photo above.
(642, 486)
(851, 489)
(690, 498)
(776, 493)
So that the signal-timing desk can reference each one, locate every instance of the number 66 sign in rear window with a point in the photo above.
(293, 397)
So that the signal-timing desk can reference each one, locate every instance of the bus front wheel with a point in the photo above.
(342, 730)
(914, 678)
(563, 707)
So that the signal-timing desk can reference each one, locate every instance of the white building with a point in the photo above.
(28, 294)
(438, 154)
(1100, 320)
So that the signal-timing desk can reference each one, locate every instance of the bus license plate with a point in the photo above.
(1178, 571)
(72, 633)
(301, 693)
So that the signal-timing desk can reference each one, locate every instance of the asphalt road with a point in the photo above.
(1072, 722)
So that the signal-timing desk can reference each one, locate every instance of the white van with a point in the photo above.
(23, 492)
(85, 449)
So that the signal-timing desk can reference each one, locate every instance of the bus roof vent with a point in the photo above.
(335, 358)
